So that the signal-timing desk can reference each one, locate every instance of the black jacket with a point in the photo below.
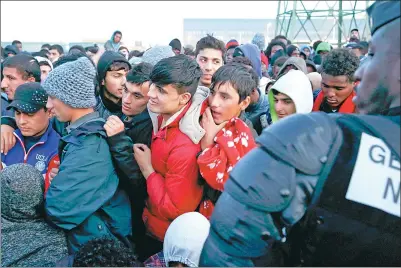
(137, 130)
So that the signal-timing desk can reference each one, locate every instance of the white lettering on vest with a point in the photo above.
(375, 181)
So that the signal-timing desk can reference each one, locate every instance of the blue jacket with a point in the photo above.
(84, 198)
(4, 104)
(39, 155)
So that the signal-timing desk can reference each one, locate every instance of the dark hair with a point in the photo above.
(291, 49)
(239, 77)
(273, 43)
(57, 47)
(180, 71)
(316, 44)
(189, 51)
(45, 46)
(140, 73)
(280, 37)
(26, 65)
(355, 29)
(123, 47)
(105, 252)
(92, 49)
(242, 60)
(44, 63)
(76, 47)
(340, 62)
(117, 32)
(16, 42)
(289, 42)
(135, 53)
(210, 42)
(119, 65)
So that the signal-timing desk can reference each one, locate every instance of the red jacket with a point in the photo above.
(173, 188)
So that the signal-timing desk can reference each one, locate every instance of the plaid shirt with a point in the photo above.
(156, 260)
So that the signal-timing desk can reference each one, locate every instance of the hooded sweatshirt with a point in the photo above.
(110, 45)
(185, 238)
(296, 85)
(104, 106)
(26, 239)
(297, 62)
(256, 112)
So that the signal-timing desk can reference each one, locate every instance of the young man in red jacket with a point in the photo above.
(170, 166)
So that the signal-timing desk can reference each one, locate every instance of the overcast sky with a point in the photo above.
(161, 21)
(149, 21)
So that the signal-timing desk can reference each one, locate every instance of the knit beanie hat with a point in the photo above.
(259, 41)
(73, 83)
(232, 44)
(157, 53)
(22, 188)
(323, 46)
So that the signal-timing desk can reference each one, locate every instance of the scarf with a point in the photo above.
(347, 107)
(216, 162)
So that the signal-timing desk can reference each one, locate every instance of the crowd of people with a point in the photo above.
(183, 157)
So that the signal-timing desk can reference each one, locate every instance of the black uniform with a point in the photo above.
(308, 202)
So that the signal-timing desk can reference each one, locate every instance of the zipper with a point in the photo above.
(23, 147)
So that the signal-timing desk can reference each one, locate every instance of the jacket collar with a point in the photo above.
(189, 121)
(136, 119)
(84, 119)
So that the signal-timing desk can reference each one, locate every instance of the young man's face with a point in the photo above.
(115, 82)
(124, 52)
(61, 110)
(295, 53)
(166, 100)
(117, 38)
(283, 105)
(310, 69)
(44, 72)
(336, 89)
(135, 98)
(275, 49)
(224, 102)
(307, 52)
(229, 55)
(19, 46)
(355, 34)
(54, 55)
(11, 80)
(32, 124)
(209, 60)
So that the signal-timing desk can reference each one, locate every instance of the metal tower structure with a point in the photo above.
(329, 21)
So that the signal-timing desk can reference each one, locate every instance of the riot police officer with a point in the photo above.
(327, 194)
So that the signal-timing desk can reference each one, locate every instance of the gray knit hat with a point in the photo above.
(73, 83)
(22, 189)
(259, 41)
(157, 53)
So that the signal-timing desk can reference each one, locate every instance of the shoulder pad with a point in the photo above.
(302, 140)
